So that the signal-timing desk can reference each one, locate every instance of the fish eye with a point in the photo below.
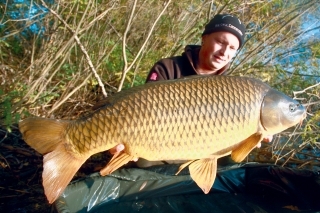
(292, 107)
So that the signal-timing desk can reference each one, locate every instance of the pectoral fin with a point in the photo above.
(119, 159)
(203, 172)
(239, 153)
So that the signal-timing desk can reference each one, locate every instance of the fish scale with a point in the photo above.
(154, 126)
(198, 119)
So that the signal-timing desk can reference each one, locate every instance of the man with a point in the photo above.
(221, 39)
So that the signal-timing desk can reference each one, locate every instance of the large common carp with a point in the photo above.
(198, 119)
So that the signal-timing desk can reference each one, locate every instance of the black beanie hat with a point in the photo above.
(226, 22)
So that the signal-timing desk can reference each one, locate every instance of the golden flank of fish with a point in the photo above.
(198, 119)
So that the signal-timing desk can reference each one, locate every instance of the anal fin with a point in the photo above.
(119, 159)
(246, 146)
(203, 172)
(183, 166)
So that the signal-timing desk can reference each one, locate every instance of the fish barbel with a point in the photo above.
(198, 119)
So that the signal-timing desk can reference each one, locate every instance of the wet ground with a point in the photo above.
(20, 175)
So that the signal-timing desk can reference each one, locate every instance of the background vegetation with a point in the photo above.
(59, 58)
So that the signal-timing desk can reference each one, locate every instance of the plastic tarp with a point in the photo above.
(245, 188)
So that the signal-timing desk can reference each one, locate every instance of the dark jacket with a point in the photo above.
(178, 66)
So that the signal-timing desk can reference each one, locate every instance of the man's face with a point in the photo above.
(217, 50)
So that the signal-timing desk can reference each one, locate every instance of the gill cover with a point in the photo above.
(279, 112)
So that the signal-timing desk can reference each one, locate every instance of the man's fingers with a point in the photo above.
(135, 159)
(117, 148)
(259, 145)
(268, 138)
(120, 147)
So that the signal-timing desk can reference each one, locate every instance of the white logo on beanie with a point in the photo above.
(230, 26)
(226, 16)
(231, 16)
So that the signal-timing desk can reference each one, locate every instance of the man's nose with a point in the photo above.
(223, 50)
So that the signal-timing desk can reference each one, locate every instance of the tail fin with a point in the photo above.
(42, 134)
(59, 165)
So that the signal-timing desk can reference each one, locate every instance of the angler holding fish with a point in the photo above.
(198, 119)
(222, 37)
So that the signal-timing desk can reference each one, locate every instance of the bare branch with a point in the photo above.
(210, 10)
(142, 47)
(124, 39)
(81, 47)
(304, 90)
(58, 104)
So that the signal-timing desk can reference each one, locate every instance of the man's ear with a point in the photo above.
(202, 39)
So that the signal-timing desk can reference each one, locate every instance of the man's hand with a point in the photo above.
(267, 139)
(116, 149)
(119, 148)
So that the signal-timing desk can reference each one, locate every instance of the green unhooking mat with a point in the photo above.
(248, 188)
